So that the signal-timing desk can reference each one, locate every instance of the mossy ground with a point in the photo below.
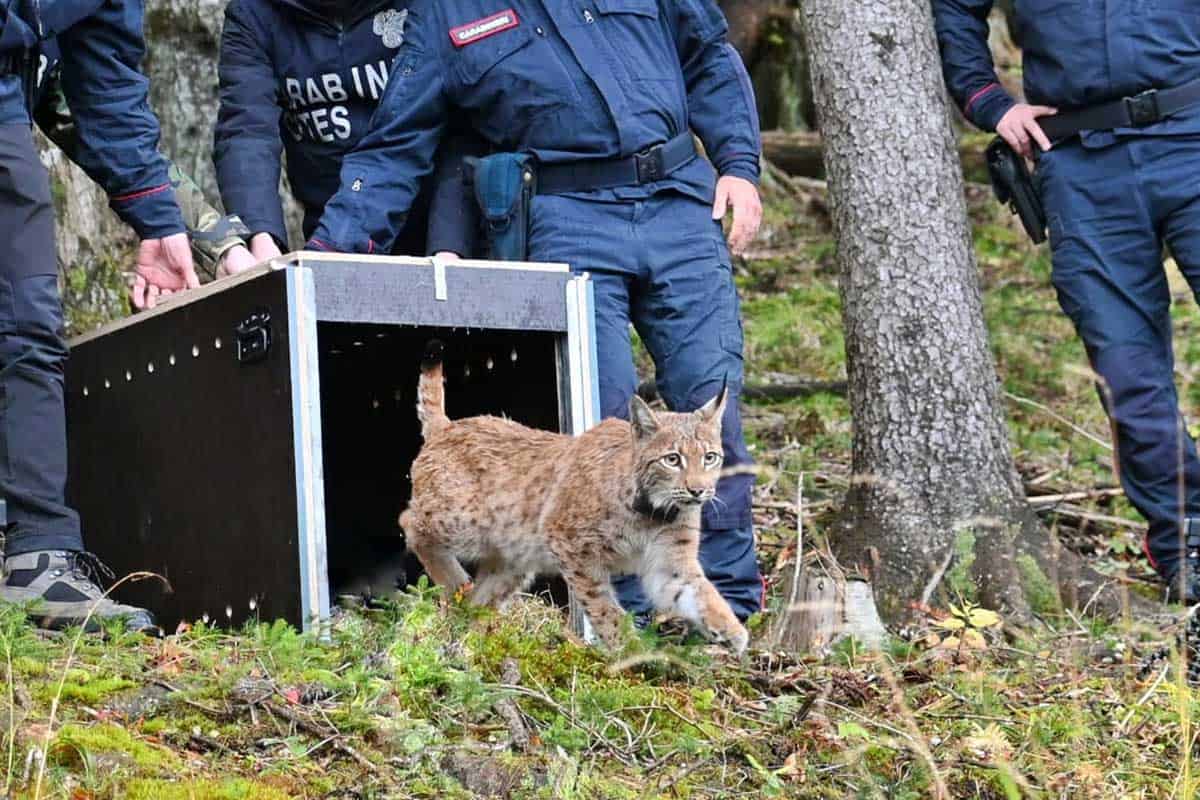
(402, 701)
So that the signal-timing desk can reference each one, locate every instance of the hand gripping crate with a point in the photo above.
(250, 441)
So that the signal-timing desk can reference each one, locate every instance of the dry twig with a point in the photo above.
(518, 734)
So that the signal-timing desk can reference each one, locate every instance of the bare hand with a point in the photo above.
(1019, 124)
(747, 209)
(447, 255)
(236, 259)
(164, 266)
(263, 246)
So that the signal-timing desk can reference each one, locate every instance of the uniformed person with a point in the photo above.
(45, 563)
(304, 77)
(606, 95)
(1113, 120)
(219, 241)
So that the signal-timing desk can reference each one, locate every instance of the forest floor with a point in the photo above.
(427, 698)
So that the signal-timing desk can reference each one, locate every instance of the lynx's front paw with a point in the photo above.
(734, 636)
(719, 621)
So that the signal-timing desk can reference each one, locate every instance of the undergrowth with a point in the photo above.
(413, 689)
(417, 698)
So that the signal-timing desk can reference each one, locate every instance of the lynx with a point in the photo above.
(623, 498)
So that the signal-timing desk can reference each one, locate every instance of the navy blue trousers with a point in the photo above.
(33, 440)
(1111, 210)
(661, 263)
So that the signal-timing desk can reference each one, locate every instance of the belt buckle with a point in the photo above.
(1143, 108)
(650, 164)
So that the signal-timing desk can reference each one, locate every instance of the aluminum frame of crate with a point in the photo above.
(200, 455)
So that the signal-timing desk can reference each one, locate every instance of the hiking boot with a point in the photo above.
(1183, 581)
(61, 590)
(1183, 585)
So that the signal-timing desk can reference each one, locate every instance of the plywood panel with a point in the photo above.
(182, 458)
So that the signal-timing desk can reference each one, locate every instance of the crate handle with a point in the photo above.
(439, 278)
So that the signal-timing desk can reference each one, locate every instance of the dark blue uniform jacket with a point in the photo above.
(305, 78)
(101, 45)
(1075, 53)
(564, 79)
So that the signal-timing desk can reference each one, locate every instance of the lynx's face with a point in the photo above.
(678, 456)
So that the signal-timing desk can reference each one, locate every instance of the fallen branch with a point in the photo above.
(257, 699)
(783, 505)
(1060, 418)
(1052, 499)
(936, 578)
(795, 152)
(507, 709)
(1089, 516)
(313, 729)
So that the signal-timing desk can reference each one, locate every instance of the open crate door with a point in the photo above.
(257, 453)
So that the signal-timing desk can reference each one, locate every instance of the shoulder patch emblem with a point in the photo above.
(473, 32)
(389, 26)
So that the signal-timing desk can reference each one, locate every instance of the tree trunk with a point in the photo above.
(802, 153)
(935, 500)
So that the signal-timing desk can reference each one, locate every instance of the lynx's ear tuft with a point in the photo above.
(642, 418)
(715, 409)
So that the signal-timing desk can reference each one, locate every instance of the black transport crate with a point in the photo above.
(250, 441)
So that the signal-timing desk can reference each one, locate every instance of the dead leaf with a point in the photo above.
(982, 618)
(793, 767)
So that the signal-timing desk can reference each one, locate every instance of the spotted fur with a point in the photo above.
(623, 498)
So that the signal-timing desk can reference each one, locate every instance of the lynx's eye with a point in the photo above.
(711, 459)
(672, 460)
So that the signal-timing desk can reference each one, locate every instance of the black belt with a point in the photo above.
(1137, 111)
(652, 164)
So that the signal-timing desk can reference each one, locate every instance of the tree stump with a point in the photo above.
(823, 608)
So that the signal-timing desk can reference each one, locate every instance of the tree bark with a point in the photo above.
(802, 153)
(935, 500)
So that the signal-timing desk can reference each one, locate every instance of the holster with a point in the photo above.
(1013, 186)
(504, 185)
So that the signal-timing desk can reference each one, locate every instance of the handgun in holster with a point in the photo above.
(504, 185)
(1014, 187)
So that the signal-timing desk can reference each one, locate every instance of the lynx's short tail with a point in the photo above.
(431, 393)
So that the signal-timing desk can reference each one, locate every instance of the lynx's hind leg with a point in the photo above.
(593, 589)
(675, 583)
(437, 559)
(496, 581)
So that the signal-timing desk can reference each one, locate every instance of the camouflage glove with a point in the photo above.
(214, 238)
(212, 234)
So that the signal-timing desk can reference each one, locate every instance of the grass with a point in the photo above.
(414, 688)
(407, 700)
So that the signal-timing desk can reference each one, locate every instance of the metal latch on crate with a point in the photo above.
(253, 336)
